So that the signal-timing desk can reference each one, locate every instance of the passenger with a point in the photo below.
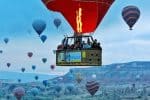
(94, 45)
(98, 46)
(60, 47)
(86, 45)
(77, 45)
(89, 42)
(72, 46)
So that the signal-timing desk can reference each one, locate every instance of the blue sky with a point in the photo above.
(118, 43)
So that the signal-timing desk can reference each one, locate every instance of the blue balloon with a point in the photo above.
(45, 82)
(44, 60)
(33, 67)
(35, 91)
(23, 69)
(1, 51)
(39, 26)
(19, 80)
(43, 38)
(36, 77)
(57, 22)
(6, 40)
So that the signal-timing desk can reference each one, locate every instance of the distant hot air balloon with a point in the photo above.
(78, 77)
(35, 91)
(130, 15)
(19, 92)
(8, 65)
(94, 76)
(33, 67)
(83, 15)
(36, 77)
(44, 60)
(43, 38)
(39, 26)
(52, 67)
(19, 80)
(92, 87)
(6, 40)
(1, 51)
(30, 54)
(57, 22)
(23, 69)
(45, 82)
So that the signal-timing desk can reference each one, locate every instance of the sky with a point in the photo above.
(119, 44)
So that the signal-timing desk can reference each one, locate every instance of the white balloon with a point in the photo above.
(93, 76)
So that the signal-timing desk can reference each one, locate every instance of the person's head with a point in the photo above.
(83, 42)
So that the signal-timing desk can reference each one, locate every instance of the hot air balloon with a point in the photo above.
(92, 87)
(52, 67)
(39, 26)
(78, 77)
(1, 51)
(6, 40)
(44, 60)
(57, 22)
(45, 82)
(23, 69)
(36, 77)
(35, 91)
(30, 54)
(130, 15)
(19, 80)
(19, 92)
(8, 65)
(94, 76)
(84, 16)
(43, 38)
(33, 67)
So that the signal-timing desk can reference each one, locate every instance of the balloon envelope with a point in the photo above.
(52, 67)
(36, 77)
(83, 15)
(57, 22)
(45, 82)
(23, 69)
(39, 26)
(1, 51)
(78, 77)
(19, 80)
(130, 15)
(6, 40)
(35, 91)
(92, 87)
(30, 54)
(8, 64)
(44, 60)
(33, 67)
(43, 38)
(19, 92)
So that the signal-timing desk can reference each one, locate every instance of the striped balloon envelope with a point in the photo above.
(130, 15)
(92, 87)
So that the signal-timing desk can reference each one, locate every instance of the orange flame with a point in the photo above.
(79, 20)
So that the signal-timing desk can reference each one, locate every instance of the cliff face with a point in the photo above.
(114, 73)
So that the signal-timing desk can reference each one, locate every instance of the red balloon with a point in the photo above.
(30, 54)
(83, 15)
